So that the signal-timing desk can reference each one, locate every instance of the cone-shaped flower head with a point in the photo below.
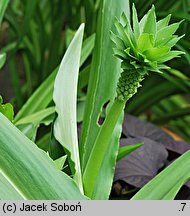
(145, 46)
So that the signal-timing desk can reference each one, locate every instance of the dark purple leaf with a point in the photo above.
(133, 127)
(179, 147)
(141, 165)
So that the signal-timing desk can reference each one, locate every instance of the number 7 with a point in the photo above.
(184, 204)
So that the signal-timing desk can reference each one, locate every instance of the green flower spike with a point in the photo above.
(144, 48)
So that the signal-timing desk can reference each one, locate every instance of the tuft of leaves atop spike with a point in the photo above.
(143, 47)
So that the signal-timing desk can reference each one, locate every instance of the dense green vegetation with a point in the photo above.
(71, 72)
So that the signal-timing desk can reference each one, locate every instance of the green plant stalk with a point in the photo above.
(140, 52)
(127, 86)
(101, 144)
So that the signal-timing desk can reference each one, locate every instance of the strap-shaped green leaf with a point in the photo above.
(105, 70)
(28, 170)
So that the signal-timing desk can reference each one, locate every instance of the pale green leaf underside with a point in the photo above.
(65, 97)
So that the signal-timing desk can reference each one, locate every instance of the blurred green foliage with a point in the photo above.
(35, 34)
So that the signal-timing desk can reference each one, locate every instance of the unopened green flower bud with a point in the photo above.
(128, 84)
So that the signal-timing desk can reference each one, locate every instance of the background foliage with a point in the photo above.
(35, 35)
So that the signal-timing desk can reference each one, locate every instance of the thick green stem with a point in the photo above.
(127, 86)
(100, 147)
